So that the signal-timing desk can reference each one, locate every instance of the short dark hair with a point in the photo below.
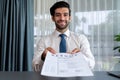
(59, 4)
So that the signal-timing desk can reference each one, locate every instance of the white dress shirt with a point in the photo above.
(72, 41)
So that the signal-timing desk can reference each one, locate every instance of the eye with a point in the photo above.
(66, 14)
(57, 14)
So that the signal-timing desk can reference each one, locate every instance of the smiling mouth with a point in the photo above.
(62, 23)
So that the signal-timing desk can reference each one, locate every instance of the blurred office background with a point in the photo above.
(24, 22)
(99, 20)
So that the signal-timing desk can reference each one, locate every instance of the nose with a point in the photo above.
(62, 17)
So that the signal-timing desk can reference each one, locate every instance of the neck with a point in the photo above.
(62, 30)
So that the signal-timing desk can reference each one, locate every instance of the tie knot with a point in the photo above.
(62, 35)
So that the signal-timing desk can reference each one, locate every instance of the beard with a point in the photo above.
(60, 26)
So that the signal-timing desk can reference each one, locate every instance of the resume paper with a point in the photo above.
(65, 65)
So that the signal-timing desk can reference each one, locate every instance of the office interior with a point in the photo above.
(97, 19)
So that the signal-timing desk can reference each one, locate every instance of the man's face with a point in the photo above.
(61, 18)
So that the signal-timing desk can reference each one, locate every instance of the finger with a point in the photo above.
(51, 50)
(73, 51)
(76, 50)
(37, 67)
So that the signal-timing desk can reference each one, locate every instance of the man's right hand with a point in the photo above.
(45, 52)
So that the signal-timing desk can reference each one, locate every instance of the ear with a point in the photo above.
(69, 17)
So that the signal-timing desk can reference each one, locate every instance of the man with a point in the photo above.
(61, 15)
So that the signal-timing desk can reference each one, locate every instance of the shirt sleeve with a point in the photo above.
(85, 49)
(38, 52)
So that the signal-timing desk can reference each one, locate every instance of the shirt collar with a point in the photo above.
(57, 33)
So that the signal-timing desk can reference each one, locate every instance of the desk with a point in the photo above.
(98, 75)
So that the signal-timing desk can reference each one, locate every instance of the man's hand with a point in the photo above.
(45, 52)
(76, 50)
(36, 67)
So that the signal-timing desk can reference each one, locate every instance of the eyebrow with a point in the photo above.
(62, 13)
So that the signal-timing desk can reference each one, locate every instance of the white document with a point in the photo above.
(65, 65)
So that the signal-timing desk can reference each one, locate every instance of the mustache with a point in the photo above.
(61, 21)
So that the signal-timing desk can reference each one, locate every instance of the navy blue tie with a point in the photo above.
(62, 43)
